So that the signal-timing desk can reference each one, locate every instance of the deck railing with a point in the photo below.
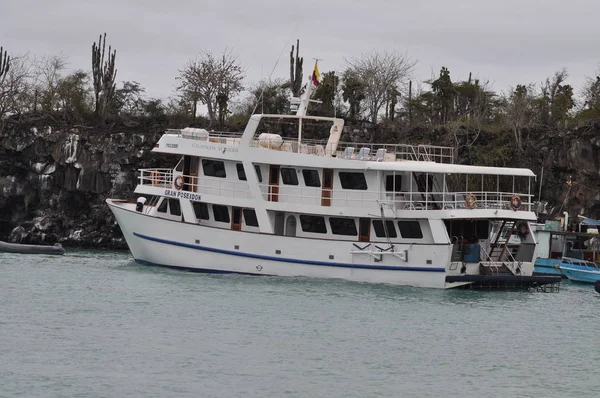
(315, 196)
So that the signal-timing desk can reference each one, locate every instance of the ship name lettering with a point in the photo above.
(182, 194)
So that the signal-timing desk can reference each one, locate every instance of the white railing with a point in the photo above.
(360, 151)
(415, 200)
(220, 137)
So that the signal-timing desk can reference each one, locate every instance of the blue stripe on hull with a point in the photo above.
(285, 259)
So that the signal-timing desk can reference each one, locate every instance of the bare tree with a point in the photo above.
(48, 73)
(378, 72)
(211, 81)
(16, 87)
(519, 112)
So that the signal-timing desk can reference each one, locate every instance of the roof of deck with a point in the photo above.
(431, 167)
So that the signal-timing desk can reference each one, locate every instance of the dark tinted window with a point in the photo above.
(258, 173)
(380, 232)
(221, 213)
(201, 210)
(343, 226)
(410, 229)
(289, 176)
(213, 168)
(311, 178)
(250, 218)
(174, 207)
(241, 172)
(315, 224)
(163, 206)
(353, 180)
(393, 183)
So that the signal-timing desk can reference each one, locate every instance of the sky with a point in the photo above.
(505, 42)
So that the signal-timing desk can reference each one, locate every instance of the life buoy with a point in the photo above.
(515, 202)
(155, 177)
(178, 182)
(471, 200)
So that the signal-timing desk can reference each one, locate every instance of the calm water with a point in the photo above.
(95, 324)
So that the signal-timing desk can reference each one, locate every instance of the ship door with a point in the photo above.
(364, 230)
(290, 226)
(274, 183)
(327, 187)
(190, 173)
(236, 220)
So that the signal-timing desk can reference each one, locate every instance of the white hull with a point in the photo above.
(191, 246)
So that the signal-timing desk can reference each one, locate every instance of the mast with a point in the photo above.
(313, 81)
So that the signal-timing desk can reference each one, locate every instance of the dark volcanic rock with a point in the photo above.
(53, 183)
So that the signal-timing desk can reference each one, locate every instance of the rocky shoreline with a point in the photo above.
(54, 181)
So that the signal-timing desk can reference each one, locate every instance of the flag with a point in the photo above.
(316, 76)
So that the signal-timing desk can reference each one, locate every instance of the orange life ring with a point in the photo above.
(515, 202)
(155, 177)
(471, 200)
(178, 182)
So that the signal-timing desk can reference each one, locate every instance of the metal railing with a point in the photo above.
(415, 200)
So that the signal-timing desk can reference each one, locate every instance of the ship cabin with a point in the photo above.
(285, 181)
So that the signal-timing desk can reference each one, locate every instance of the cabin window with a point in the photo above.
(380, 231)
(314, 224)
(393, 183)
(241, 172)
(258, 173)
(162, 208)
(410, 229)
(221, 213)
(201, 210)
(343, 226)
(289, 176)
(250, 217)
(174, 207)
(311, 178)
(213, 168)
(353, 180)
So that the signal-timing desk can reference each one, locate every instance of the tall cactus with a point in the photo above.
(296, 71)
(4, 63)
(104, 74)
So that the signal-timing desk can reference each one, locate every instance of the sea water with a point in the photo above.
(95, 324)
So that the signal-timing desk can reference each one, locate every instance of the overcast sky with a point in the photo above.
(506, 42)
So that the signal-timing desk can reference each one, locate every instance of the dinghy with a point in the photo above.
(31, 249)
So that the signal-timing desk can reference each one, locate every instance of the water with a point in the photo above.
(95, 324)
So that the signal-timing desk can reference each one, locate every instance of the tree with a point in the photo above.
(296, 71)
(73, 93)
(48, 75)
(128, 100)
(326, 92)
(549, 90)
(16, 87)
(519, 112)
(353, 91)
(104, 74)
(445, 92)
(206, 78)
(378, 72)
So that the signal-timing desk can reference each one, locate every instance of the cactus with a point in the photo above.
(4, 63)
(104, 74)
(296, 71)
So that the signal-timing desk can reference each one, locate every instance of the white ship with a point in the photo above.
(269, 201)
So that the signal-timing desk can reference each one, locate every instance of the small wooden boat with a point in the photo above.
(31, 249)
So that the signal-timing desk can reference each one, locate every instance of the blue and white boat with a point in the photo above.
(580, 270)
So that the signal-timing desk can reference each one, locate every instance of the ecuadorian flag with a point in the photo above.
(316, 76)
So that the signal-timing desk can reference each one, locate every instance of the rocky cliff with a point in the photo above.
(53, 181)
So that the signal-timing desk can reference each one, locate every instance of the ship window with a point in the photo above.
(162, 208)
(393, 183)
(241, 172)
(258, 173)
(314, 224)
(289, 176)
(343, 226)
(250, 218)
(174, 207)
(221, 213)
(380, 231)
(213, 168)
(410, 229)
(353, 180)
(311, 178)
(201, 210)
